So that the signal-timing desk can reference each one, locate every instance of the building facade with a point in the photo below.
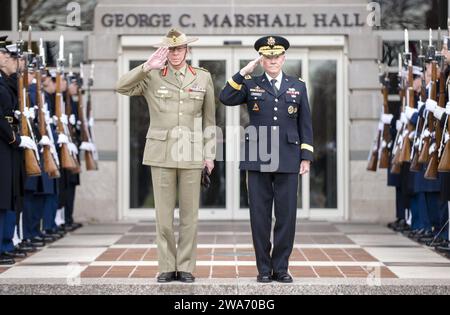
(335, 46)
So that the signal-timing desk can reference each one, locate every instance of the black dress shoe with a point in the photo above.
(186, 277)
(167, 277)
(6, 261)
(53, 234)
(47, 238)
(264, 278)
(38, 242)
(77, 226)
(282, 277)
(394, 224)
(402, 227)
(445, 249)
(27, 247)
(15, 254)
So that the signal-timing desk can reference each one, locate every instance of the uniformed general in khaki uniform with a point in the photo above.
(180, 143)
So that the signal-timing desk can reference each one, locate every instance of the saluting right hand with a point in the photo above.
(248, 69)
(157, 60)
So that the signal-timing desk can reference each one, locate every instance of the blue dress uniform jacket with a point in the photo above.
(283, 122)
(10, 154)
(39, 184)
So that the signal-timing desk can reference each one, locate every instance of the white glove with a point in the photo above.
(398, 125)
(91, 122)
(17, 114)
(380, 126)
(403, 118)
(446, 137)
(27, 112)
(387, 119)
(27, 143)
(72, 120)
(64, 119)
(420, 104)
(72, 148)
(432, 148)
(45, 141)
(431, 105)
(87, 146)
(410, 112)
(439, 112)
(447, 109)
(62, 139)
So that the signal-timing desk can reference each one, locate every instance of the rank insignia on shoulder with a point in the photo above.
(256, 108)
(248, 77)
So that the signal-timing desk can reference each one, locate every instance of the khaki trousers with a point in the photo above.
(167, 184)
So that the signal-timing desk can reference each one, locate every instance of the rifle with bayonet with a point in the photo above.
(50, 157)
(432, 169)
(67, 161)
(405, 154)
(71, 123)
(87, 143)
(424, 156)
(32, 167)
(379, 155)
(396, 150)
(444, 164)
(386, 134)
(415, 165)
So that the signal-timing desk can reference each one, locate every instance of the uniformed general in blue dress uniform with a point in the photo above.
(278, 146)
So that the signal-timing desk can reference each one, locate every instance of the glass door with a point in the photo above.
(322, 194)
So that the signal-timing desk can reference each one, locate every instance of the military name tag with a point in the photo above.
(255, 94)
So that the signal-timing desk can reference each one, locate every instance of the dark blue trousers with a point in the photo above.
(8, 231)
(265, 189)
(400, 205)
(33, 212)
(2, 226)
(425, 208)
(442, 227)
(69, 204)
(50, 208)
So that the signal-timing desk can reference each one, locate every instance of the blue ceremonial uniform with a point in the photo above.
(40, 197)
(280, 125)
(427, 209)
(12, 172)
(278, 138)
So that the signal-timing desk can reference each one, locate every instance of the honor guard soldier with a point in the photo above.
(281, 125)
(11, 144)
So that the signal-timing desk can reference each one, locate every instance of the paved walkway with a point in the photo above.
(328, 258)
